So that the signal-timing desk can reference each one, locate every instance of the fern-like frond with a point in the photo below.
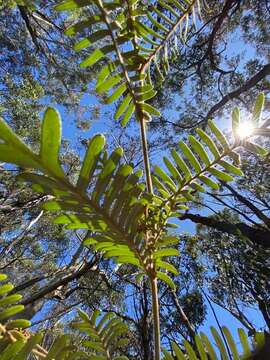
(195, 166)
(105, 335)
(166, 26)
(111, 38)
(9, 307)
(203, 348)
(206, 160)
(108, 198)
(125, 38)
(17, 342)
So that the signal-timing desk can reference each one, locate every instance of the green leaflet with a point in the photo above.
(108, 84)
(191, 353)
(164, 277)
(255, 148)
(161, 188)
(5, 314)
(181, 165)
(168, 181)
(117, 184)
(167, 266)
(200, 348)
(90, 161)
(167, 7)
(172, 169)
(146, 30)
(123, 106)
(208, 142)
(128, 114)
(147, 95)
(106, 173)
(167, 355)
(235, 122)
(219, 135)
(221, 175)
(209, 182)
(13, 150)
(208, 346)
(81, 26)
(169, 240)
(18, 324)
(199, 149)
(190, 156)
(128, 260)
(51, 141)
(97, 55)
(194, 185)
(220, 344)
(150, 109)
(86, 42)
(178, 352)
(244, 342)
(231, 342)
(231, 168)
(4, 289)
(72, 4)
(166, 252)
(257, 110)
(117, 93)
(94, 345)
(259, 338)
(9, 300)
(107, 70)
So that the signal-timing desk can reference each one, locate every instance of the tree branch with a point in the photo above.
(236, 93)
(257, 236)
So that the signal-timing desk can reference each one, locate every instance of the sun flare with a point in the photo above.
(245, 130)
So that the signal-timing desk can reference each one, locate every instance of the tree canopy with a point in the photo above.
(86, 222)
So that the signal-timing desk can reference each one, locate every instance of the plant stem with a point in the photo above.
(156, 322)
(153, 279)
(146, 156)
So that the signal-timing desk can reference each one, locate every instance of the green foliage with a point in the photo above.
(196, 166)
(127, 37)
(127, 223)
(17, 343)
(104, 335)
(9, 306)
(204, 162)
(224, 347)
(117, 197)
(109, 199)
(113, 211)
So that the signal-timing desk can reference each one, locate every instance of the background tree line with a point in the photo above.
(207, 77)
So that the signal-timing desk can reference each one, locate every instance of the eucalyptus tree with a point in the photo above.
(225, 63)
(238, 272)
(127, 219)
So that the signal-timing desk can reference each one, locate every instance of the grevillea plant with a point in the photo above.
(102, 337)
(129, 214)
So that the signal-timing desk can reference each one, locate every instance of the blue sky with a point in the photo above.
(102, 125)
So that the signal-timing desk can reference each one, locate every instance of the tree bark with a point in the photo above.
(257, 236)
